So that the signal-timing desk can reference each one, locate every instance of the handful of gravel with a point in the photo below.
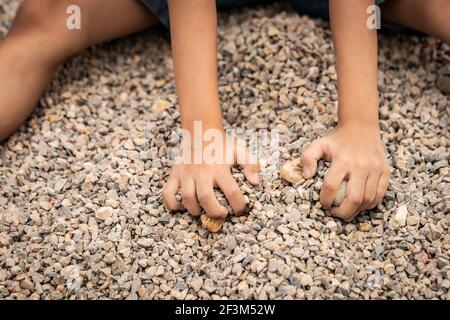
(214, 225)
(211, 224)
(291, 171)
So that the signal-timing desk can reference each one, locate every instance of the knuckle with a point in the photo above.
(328, 186)
(355, 198)
(235, 193)
(343, 162)
(368, 199)
(187, 196)
(204, 197)
(362, 165)
(378, 166)
(346, 216)
(356, 201)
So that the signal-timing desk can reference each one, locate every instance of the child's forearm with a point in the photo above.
(194, 43)
(356, 62)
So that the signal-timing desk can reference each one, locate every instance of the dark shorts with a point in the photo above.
(313, 8)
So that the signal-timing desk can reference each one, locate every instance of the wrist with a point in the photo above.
(358, 129)
(361, 123)
(359, 115)
(200, 125)
(202, 115)
(205, 143)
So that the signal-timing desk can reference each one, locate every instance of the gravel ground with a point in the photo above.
(81, 215)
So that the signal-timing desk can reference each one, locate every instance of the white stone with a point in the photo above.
(400, 216)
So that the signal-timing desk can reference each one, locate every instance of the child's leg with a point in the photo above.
(430, 16)
(39, 41)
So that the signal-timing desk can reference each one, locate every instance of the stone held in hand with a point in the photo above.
(291, 171)
(211, 224)
(215, 224)
(341, 194)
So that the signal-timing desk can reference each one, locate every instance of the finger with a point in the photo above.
(370, 191)
(381, 190)
(251, 172)
(353, 200)
(331, 184)
(249, 162)
(313, 153)
(207, 199)
(170, 191)
(242, 154)
(189, 196)
(233, 194)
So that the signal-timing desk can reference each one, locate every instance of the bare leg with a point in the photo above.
(428, 16)
(39, 41)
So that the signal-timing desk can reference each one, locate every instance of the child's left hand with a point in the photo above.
(356, 153)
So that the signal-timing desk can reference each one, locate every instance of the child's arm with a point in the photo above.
(194, 44)
(355, 147)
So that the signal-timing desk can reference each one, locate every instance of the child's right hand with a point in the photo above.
(197, 183)
(357, 153)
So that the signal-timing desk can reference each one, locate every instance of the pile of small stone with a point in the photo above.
(81, 215)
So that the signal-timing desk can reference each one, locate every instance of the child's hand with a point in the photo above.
(356, 153)
(197, 183)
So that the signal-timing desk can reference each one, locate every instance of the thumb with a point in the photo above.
(313, 153)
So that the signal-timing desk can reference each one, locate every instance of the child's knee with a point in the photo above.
(40, 15)
(50, 18)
